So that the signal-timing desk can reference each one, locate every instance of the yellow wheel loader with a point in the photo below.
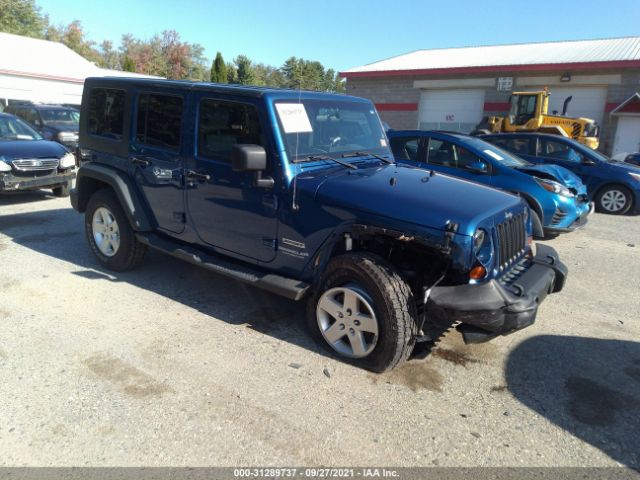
(528, 113)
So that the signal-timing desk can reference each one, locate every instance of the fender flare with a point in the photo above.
(92, 177)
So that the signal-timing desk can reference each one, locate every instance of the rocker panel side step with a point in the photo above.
(284, 286)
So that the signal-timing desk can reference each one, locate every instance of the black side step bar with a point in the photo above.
(287, 287)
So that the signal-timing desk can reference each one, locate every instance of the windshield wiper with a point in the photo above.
(327, 157)
(362, 154)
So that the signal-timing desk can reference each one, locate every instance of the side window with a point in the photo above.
(159, 120)
(221, 125)
(515, 145)
(441, 153)
(106, 113)
(405, 148)
(448, 154)
(559, 150)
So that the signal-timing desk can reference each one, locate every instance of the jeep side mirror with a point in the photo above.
(248, 158)
(478, 167)
(251, 158)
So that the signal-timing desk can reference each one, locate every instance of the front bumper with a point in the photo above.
(579, 222)
(12, 183)
(502, 306)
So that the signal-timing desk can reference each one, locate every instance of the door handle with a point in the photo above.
(193, 175)
(140, 161)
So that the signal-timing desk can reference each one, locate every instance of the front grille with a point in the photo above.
(558, 217)
(512, 240)
(35, 164)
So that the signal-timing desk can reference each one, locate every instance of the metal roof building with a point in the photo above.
(42, 71)
(454, 88)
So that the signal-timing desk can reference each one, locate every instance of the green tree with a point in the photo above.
(128, 65)
(232, 73)
(219, 70)
(245, 74)
(22, 17)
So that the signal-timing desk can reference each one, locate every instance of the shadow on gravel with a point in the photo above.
(588, 386)
(60, 234)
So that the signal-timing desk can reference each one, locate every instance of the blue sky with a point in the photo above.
(347, 33)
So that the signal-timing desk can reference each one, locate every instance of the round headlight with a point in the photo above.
(478, 240)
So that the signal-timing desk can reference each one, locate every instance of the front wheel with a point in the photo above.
(614, 199)
(364, 312)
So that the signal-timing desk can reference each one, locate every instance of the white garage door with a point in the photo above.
(587, 102)
(627, 139)
(455, 110)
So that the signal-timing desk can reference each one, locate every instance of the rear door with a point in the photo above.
(157, 154)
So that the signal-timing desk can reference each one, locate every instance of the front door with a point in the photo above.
(563, 154)
(225, 207)
(156, 157)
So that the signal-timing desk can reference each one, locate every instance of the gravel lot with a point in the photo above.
(173, 365)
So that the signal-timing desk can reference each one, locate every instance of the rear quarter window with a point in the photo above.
(106, 113)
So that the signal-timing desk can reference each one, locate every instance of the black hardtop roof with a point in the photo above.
(233, 89)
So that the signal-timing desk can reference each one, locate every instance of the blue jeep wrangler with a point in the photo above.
(297, 193)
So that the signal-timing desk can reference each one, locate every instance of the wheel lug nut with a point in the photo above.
(356, 323)
(349, 312)
(341, 326)
(352, 331)
(340, 315)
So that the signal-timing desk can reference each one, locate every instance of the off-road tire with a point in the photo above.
(130, 252)
(627, 193)
(62, 190)
(393, 304)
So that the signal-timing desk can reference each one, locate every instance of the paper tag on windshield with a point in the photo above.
(493, 154)
(293, 117)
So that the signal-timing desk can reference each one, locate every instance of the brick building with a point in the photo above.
(454, 88)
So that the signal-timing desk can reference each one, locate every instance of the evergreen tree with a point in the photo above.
(245, 74)
(219, 70)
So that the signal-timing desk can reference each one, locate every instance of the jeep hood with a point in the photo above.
(15, 149)
(412, 195)
(553, 172)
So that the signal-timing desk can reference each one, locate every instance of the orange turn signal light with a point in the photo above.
(477, 273)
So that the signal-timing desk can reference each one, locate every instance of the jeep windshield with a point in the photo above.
(311, 128)
(15, 129)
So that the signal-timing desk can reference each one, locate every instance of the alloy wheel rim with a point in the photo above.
(347, 321)
(613, 200)
(106, 232)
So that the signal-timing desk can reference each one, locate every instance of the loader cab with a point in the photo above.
(526, 106)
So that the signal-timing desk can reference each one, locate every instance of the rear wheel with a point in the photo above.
(364, 312)
(62, 190)
(614, 199)
(109, 233)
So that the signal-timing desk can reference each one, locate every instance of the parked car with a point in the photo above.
(54, 122)
(633, 159)
(557, 198)
(297, 193)
(27, 162)
(613, 186)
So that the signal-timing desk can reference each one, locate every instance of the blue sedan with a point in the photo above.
(613, 185)
(556, 197)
